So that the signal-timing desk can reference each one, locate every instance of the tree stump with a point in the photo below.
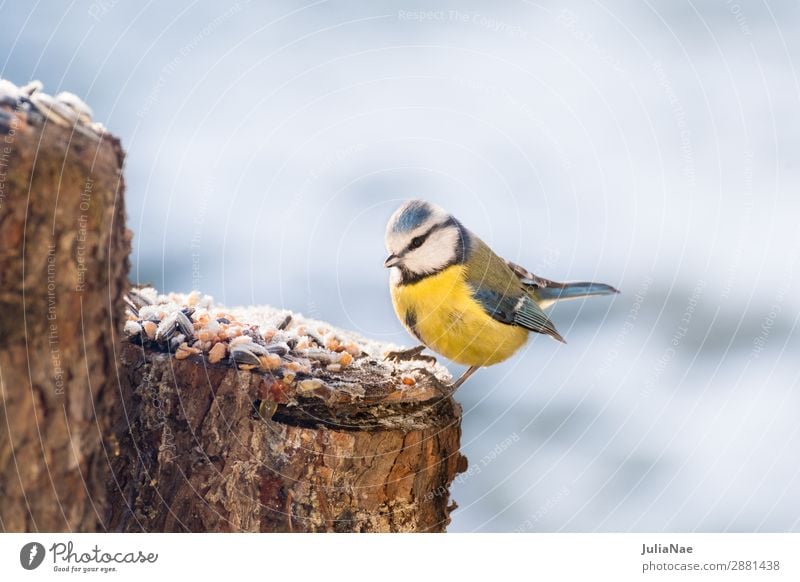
(197, 455)
(63, 273)
(100, 432)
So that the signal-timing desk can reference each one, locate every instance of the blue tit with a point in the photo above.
(461, 300)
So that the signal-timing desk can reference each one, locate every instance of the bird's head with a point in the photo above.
(423, 239)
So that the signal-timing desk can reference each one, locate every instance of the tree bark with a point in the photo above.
(350, 452)
(103, 433)
(63, 273)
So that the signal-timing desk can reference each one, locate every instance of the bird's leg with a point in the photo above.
(410, 354)
(455, 385)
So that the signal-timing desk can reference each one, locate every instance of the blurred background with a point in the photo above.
(653, 146)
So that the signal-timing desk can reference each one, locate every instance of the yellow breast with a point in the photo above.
(442, 313)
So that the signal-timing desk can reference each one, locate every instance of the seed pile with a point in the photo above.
(262, 339)
(30, 102)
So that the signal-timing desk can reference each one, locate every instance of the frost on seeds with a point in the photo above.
(248, 338)
(65, 109)
(313, 358)
(307, 386)
(132, 328)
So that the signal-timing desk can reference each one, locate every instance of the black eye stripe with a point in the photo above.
(417, 241)
(420, 239)
(462, 252)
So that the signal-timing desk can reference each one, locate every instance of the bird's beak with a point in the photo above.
(391, 261)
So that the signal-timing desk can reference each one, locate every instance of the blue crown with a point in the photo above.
(415, 213)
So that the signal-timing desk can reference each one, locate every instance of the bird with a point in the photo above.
(457, 297)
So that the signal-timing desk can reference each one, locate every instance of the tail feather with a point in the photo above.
(561, 291)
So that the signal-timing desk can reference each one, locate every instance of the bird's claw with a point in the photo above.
(408, 355)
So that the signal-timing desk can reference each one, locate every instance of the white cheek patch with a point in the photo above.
(396, 242)
(438, 250)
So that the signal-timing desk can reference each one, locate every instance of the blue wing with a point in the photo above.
(498, 289)
(518, 310)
